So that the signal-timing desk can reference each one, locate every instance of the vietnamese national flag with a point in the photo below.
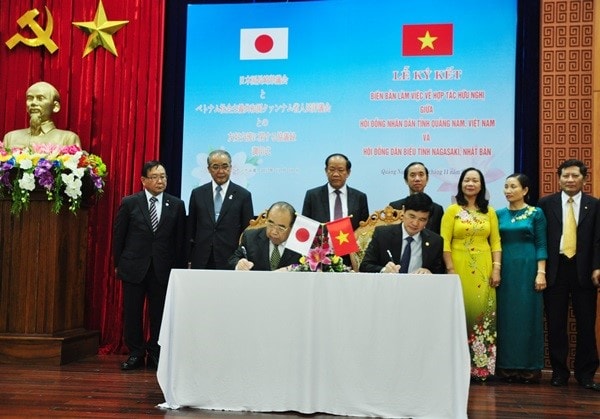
(264, 44)
(341, 236)
(427, 39)
(302, 235)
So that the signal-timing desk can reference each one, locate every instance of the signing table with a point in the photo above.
(346, 344)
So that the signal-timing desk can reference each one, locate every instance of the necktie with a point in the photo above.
(405, 260)
(153, 213)
(275, 258)
(337, 208)
(218, 201)
(570, 231)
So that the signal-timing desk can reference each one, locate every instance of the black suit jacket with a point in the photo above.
(135, 245)
(588, 237)
(221, 236)
(435, 217)
(316, 205)
(256, 243)
(390, 238)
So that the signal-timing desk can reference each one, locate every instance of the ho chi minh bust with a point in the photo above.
(42, 100)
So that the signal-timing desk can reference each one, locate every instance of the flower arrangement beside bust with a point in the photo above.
(61, 171)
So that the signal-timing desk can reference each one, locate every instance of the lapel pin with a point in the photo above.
(230, 196)
(426, 243)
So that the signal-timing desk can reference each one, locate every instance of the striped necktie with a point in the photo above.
(153, 213)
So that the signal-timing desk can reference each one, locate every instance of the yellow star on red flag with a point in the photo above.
(427, 40)
(342, 237)
(101, 31)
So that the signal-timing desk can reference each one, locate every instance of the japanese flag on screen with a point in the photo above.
(302, 235)
(264, 44)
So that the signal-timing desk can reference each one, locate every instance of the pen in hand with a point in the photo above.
(244, 264)
(391, 266)
(390, 255)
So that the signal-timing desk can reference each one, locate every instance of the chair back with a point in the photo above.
(364, 232)
(258, 222)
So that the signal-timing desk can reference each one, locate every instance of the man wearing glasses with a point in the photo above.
(263, 249)
(220, 210)
(148, 240)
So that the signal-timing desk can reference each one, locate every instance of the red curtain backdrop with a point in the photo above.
(113, 103)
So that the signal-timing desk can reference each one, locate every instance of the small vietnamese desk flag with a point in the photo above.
(427, 39)
(264, 44)
(341, 236)
(302, 235)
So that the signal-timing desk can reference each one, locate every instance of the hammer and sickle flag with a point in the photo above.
(42, 35)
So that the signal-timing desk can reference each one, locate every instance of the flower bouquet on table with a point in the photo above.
(309, 239)
(63, 172)
(321, 258)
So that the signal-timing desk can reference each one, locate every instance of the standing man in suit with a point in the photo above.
(148, 240)
(263, 249)
(336, 199)
(572, 269)
(219, 212)
(407, 247)
(416, 176)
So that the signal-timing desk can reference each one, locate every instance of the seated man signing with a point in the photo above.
(263, 249)
(407, 247)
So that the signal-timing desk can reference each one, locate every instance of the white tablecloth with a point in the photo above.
(347, 344)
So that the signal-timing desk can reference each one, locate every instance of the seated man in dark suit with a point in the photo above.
(416, 176)
(392, 250)
(263, 249)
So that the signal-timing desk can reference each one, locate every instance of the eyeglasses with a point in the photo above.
(277, 227)
(155, 178)
(216, 167)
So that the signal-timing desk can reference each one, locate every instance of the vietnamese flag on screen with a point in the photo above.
(341, 236)
(427, 39)
(264, 44)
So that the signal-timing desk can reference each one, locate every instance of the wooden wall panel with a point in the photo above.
(568, 112)
(596, 117)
